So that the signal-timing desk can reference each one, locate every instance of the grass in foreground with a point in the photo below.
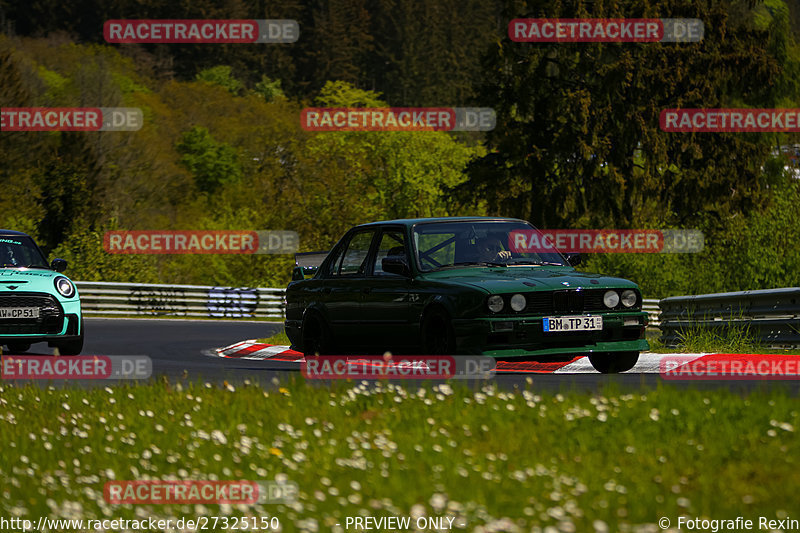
(506, 461)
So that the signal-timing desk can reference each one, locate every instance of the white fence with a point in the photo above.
(180, 300)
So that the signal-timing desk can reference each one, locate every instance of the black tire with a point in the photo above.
(613, 362)
(316, 336)
(73, 347)
(438, 337)
(16, 348)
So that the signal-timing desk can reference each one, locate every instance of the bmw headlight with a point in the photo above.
(629, 298)
(518, 302)
(495, 303)
(611, 299)
(64, 287)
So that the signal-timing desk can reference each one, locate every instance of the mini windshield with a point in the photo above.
(18, 252)
(475, 243)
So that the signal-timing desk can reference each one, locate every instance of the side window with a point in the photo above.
(333, 266)
(356, 254)
(391, 243)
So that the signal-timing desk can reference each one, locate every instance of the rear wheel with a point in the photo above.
(18, 347)
(438, 337)
(316, 336)
(613, 362)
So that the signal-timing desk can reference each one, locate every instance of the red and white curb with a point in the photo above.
(649, 363)
(256, 351)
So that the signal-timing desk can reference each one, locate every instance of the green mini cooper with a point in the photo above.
(459, 286)
(37, 302)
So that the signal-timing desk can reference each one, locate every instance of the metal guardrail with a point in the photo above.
(771, 315)
(108, 298)
(180, 300)
(653, 310)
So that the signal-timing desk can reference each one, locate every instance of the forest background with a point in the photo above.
(577, 142)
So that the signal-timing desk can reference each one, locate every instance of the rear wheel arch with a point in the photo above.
(315, 331)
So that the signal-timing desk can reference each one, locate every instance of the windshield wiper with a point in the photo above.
(488, 263)
(532, 262)
(36, 266)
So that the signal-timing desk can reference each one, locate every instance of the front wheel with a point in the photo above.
(613, 362)
(73, 347)
(17, 348)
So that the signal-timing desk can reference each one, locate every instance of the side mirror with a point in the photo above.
(395, 264)
(574, 259)
(59, 265)
(297, 273)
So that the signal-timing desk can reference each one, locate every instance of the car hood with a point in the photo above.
(27, 280)
(526, 279)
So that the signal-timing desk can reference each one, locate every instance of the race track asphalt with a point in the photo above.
(184, 350)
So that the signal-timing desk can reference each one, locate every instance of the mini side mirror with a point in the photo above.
(59, 265)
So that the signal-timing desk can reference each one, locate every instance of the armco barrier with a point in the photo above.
(651, 306)
(180, 300)
(107, 298)
(772, 315)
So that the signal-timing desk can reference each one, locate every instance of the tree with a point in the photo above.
(220, 75)
(211, 163)
(578, 140)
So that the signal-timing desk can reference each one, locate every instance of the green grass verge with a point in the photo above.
(737, 339)
(281, 339)
(509, 461)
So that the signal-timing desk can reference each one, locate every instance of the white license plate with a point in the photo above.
(573, 323)
(19, 312)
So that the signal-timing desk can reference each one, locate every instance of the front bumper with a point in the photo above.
(62, 321)
(510, 336)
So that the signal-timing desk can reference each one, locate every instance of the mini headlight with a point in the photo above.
(64, 287)
(518, 302)
(629, 298)
(495, 303)
(611, 299)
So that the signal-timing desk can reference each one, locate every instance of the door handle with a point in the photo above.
(326, 290)
(366, 290)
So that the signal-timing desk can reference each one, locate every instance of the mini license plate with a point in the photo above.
(573, 323)
(19, 312)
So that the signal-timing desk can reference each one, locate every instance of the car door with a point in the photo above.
(385, 298)
(342, 291)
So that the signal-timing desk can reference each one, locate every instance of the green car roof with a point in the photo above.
(412, 221)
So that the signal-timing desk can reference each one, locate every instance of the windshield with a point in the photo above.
(18, 252)
(475, 243)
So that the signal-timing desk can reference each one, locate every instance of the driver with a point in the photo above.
(490, 250)
(7, 256)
